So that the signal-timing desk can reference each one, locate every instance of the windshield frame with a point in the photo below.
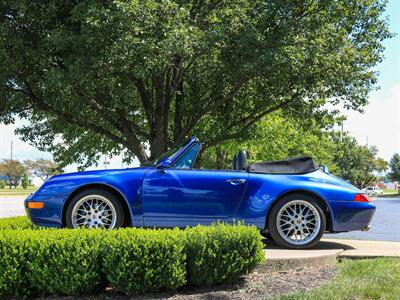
(175, 152)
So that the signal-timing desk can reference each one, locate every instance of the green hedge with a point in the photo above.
(221, 253)
(50, 261)
(17, 223)
(140, 260)
(130, 260)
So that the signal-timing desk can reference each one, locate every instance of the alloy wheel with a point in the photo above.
(298, 222)
(94, 211)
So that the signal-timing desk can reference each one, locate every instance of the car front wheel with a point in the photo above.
(297, 221)
(94, 208)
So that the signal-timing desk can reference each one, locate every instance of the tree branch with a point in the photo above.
(79, 121)
(215, 103)
(146, 100)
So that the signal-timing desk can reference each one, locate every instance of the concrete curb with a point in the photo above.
(279, 264)
(326, 252)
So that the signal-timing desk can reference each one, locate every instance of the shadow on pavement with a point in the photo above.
(322, 245)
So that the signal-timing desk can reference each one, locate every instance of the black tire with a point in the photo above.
(266, 235)
(273, 222)
(120, 216)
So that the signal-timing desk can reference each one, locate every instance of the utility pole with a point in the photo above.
(105, 162)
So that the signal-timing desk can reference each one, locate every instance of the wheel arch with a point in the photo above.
(103, 186)
(321, 201)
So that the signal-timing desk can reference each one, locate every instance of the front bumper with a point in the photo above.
(351, 216)
(50, 215)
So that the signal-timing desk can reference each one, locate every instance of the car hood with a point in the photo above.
(99, 173)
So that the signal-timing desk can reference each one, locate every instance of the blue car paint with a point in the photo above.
(180, 197)
(172, 197)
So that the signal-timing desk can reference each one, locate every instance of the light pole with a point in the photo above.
(105, 162)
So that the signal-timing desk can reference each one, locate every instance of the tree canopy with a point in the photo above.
(13, 169)
(356, 163)
(394, 163)
(278, 137)
(43, 168)
(97, 76)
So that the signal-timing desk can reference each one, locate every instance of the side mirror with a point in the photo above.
(164, 164)
(324, 168)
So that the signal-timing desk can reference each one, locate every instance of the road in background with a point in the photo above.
(385, 225)
(12, 206)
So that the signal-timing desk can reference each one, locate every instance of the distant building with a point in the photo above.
(391, 185)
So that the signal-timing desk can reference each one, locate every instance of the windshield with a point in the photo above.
(171, 153)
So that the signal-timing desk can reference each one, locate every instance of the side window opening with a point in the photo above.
(187, 159)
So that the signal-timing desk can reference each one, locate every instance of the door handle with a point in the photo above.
(236, 181)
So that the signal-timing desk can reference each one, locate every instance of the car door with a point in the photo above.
(182, 196)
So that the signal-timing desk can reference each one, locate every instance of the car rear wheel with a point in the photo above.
(297, 221)
(94, 208)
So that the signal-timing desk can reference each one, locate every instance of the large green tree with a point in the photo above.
(99, 76)
(278, 137)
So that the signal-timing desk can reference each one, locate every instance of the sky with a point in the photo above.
(379, 125)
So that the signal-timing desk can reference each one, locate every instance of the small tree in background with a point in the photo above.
(394, 164)
(2, 184)
(43, 168)
(13, 169)
(357, 164)
(25, 181)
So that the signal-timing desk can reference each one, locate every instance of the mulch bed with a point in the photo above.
(253, 286)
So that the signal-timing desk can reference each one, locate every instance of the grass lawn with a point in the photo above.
(389, 192)
(359, 280)
(17, 191)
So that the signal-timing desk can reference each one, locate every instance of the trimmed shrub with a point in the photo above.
(140, 260)
(221, 253)
(14, 252)
(17, 223)
(2, 184)
(66, 262)
(131, 260)
(49, 261)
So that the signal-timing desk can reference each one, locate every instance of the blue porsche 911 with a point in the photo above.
(293, 201)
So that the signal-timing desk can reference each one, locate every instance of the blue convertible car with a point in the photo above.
(293, 201)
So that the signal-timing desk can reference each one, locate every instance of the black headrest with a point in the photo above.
(234, 163)
(242, 160)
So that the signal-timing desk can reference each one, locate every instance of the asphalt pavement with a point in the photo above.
(385, 225)
(12, 206)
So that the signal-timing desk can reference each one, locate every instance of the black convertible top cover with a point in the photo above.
(298, 165)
